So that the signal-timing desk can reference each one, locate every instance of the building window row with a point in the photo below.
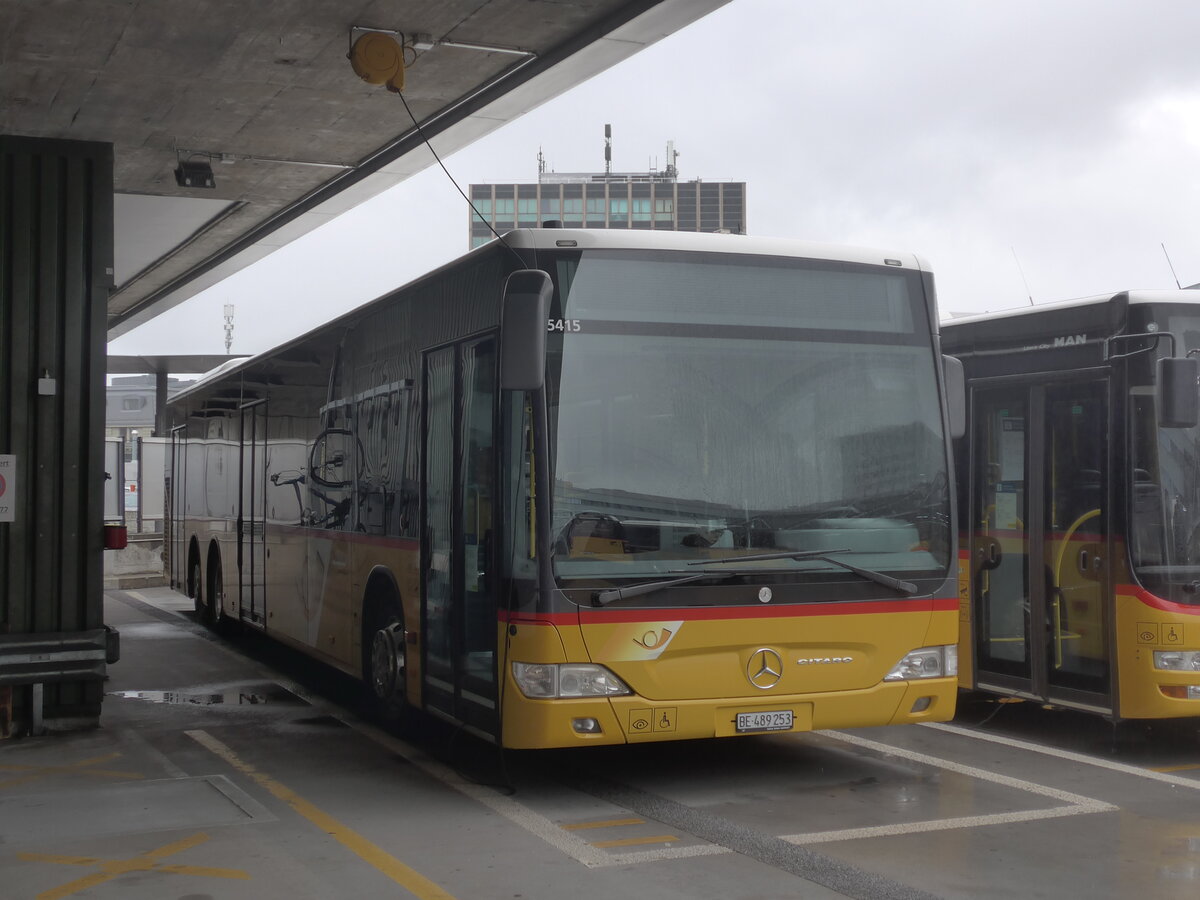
(692, 206)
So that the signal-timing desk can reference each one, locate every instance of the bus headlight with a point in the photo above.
(1177, 660)
(555, 680)
(928, 662)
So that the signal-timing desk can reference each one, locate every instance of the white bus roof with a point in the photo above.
(623, 239)
(1135, 297)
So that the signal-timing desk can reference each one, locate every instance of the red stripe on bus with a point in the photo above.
(1154, 602)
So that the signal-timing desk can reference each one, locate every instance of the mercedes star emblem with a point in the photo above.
(765, 668)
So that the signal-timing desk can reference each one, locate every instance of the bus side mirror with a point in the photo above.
(956, 395)
(524, 310)
(1178, 392)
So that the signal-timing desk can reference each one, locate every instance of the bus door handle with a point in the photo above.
(988, 553)
(1089, 563)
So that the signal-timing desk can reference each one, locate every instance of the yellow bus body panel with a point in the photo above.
(1141, 629)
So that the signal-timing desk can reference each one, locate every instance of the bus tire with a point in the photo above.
(214, 616)
(385, 655)
(195, 586)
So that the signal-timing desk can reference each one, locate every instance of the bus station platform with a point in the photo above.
(208, 778)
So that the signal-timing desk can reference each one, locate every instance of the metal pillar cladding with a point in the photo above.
(56, 265)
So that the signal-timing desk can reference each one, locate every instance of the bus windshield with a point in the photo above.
(1165, 480)
(719, 406)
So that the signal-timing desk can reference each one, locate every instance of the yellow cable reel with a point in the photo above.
(377, 58)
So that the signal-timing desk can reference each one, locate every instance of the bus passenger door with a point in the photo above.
(251, 527)
(1079, 600)
(1039, 575)
(177, 503)
(458, 628)
(1000, 540)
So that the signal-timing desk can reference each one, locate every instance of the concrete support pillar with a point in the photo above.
(56, 256)
(160, 404)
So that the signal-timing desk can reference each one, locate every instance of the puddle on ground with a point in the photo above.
(248, 696)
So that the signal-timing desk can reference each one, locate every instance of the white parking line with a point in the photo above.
(854, 834)
(629, 859)
(1075, 804)
(1123, 768)
(971, 771)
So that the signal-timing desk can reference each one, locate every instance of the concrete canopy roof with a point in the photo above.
(174, 364)
(264, 93)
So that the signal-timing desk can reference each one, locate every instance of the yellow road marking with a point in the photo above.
(630, 842)
(1176, 768)
(114, 868)
(83, 767)
(408, 878)
(610, 823)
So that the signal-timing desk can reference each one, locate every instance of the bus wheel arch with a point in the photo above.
(384, 649)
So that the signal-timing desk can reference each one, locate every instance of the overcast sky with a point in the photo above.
(1044, 148)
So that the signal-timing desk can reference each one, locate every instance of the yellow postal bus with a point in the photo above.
(1079, 491)
(596, 487)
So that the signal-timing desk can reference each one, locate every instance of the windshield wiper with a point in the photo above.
(603, 598)
(906, 587)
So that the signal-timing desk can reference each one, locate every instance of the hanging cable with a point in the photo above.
(474, 209)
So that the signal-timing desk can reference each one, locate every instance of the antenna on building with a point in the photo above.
(672, 171)
(228, 326)
(541, 163)
(607, 149)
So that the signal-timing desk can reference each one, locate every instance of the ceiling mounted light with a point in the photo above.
(194, 174)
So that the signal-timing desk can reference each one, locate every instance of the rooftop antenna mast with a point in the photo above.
(1168, 256)
(1022, 271)
(228, 326)
(607, 149)
(672, 155)
(541, 163)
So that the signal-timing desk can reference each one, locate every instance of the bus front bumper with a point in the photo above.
(541, 724)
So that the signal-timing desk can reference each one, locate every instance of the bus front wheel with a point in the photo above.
(196, 589)
(384, 650)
